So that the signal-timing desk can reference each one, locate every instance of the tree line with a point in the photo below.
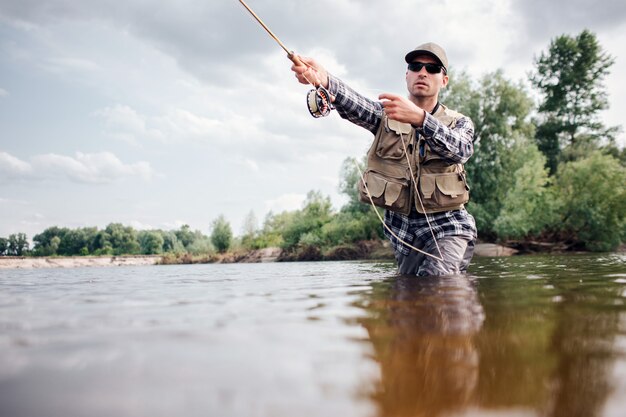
(543, 171)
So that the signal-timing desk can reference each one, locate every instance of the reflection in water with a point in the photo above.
(531, 336)
(423, 332)
(583, 340)
(548, 343)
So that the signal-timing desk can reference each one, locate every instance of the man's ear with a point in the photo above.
(444, 81)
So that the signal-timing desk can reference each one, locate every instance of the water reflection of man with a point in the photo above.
(423, 334)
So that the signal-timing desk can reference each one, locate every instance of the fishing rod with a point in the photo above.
(318, 99)
(319, 104)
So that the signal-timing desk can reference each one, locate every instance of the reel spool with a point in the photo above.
(319, 103)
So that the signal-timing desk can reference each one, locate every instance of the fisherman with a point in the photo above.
(418, 144)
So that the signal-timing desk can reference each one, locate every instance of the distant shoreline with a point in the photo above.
(257, 256)
(35, 262)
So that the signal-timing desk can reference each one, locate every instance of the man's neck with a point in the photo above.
(426, 103)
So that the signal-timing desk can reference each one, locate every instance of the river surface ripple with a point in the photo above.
(519, 336)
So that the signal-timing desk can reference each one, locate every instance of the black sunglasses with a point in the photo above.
(430, 68)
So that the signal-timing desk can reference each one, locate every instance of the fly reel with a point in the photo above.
(319, 103)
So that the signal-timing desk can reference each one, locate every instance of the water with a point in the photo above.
(521, 336)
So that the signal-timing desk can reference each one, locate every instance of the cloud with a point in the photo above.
(139, 225)
(12, 167)
(285, 202)
(3, 92)
(94, 168)
(173, 126)
(547, 19)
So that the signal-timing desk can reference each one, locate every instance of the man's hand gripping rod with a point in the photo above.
(318, 99)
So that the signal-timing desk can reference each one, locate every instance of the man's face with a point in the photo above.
(422, 84)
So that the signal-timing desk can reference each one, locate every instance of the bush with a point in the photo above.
(222, 234)
(592, 201)
(528, 206)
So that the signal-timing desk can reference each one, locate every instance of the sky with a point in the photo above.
(159, 114)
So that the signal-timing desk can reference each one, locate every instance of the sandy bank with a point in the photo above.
(257, 256)
(17, 262)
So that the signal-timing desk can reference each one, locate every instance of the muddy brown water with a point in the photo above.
(519, 336)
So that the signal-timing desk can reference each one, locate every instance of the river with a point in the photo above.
(519, 336)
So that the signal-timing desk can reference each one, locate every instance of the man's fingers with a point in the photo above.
(388, 96)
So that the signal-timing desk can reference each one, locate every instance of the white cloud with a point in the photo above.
(103, 167)
(139, 225)
(3, 92)
(13, 167)
(173, 126)
(285, 202)
(180, 123)
(123, 117)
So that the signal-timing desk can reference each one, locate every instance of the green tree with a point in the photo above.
(171, 243)
(77, 241)
(250, 231)
(274, 226)
(316, 212)
(101, 244)
(500, 110)
(349, 178)
(221, 235)
(18, 244)
(528, 207)
(4, 246)
(47, 242)
(570, 78)
(356, 220)
(150, 242)
(202, 244)
(123, 239)
(592, 200)
(185, 235)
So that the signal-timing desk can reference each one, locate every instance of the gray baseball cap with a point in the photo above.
(431, 49)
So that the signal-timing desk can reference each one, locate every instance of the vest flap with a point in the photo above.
(375, 184)
(392, 192)
(399, 127)
(451, 184)
(446, 120)
(427, 185)
(446, 116)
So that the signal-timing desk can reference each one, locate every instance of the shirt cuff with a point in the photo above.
(429, 127)
(333, 84)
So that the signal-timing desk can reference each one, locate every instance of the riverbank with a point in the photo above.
(34, 262)
(371, 250)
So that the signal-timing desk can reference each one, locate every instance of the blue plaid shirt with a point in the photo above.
(455, 144)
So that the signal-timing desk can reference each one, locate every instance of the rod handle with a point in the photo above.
(297, 61)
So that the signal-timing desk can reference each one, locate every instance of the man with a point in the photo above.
(415, 165)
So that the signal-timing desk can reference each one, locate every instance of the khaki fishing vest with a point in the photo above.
(442, 185)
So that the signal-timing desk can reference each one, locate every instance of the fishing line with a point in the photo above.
(419, 197)
(369, 195)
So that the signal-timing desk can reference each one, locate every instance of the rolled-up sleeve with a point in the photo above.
(455, 144)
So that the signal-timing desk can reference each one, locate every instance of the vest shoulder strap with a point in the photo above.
(447, 116)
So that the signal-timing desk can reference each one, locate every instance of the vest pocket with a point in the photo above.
(442, 192)
(389, 141)
(390, 147)
(386, 192)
